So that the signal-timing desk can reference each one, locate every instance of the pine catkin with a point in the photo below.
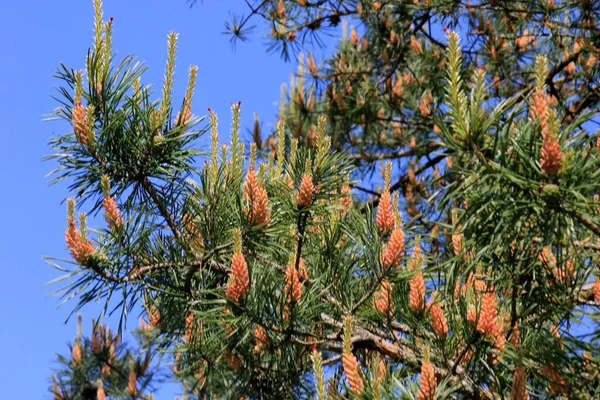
(79, 121)
(56, 391)
(256, 196)
(113, 215)
(81, 248)
(306, 192)
(385, 216)
(239, 280)
(416, 296)
(261, 339)
(100, 394)
(416, 258)
(438, 320)
(519, 389)
(293, 286)
(395, 248)
(428, 382)
(556, 383)
(351, 370)
(487, 316)
(550, 153)
(596, 290)
(383, 298)
(132, 382)
(346, 200)
(76, 354)
(189, 327)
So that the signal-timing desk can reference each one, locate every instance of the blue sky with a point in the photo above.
(35, 36)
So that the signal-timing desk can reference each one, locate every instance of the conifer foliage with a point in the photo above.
(102, 366)
(267, 277)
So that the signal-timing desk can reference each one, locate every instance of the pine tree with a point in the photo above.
(383, 88)
(102, 366)
(264, 281)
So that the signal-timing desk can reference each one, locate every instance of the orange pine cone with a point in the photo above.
(479, 284)
(79, 121)
(56, 391)
(515, 337)
(556, 383)
(81, 248)
(570, 68)
(547, 257)
(256, 195)
(280, 9)
(353, 37)
(467, 354)
(234, 291)
(519, 389)
(383, 298)
(424, 103)
(193, 232)
(105, 370)
(185, 114)
(457, 243)
(232, 361)
(251, 184)
(302, 272)
(287, 312)
(596, 290)
(398, 89)
(428, 382)
(72, 236)
(260, 207)
(305, 194)
(76, 354)
(100, 395)
(261, 339)
(385, 216)
(189, 325)
(97, 346)
(499, 341)
(382, 371)
(154, 318)
(346, 201)
(415, 45)
(416, 295)
(438, 320)
(293, 286)
(524, 40)
(239, 280)
(566, 273)
(416, 258)
(551, 155)
(395, 249)
(539, 109)
(487, 316)
(132, 384)
(113, 215)
(350, 365)
(458, 290)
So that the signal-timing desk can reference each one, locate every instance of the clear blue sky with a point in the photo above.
(35, 36)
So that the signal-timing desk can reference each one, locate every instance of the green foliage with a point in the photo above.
(103, 361)
(492, 276)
